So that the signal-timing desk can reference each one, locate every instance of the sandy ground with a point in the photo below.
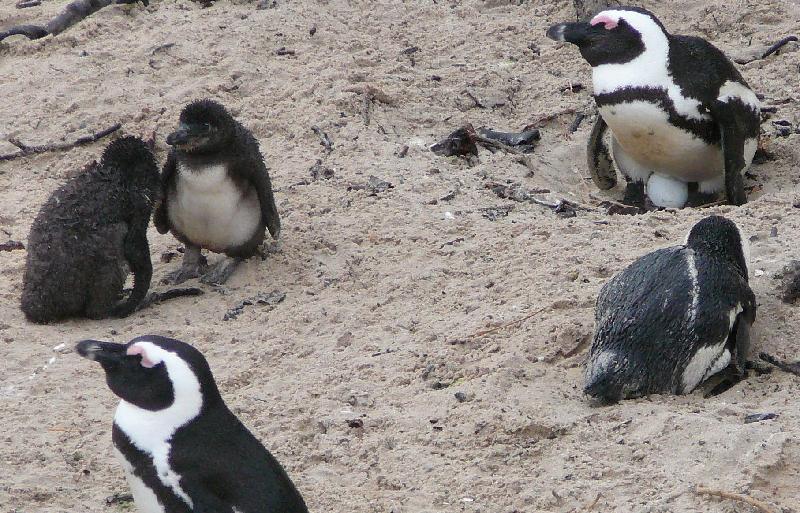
(384, 291)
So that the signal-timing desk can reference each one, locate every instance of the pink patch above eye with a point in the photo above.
(146, 362)
(605, 20)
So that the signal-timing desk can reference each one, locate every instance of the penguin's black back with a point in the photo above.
(234, 464)
(647, 320)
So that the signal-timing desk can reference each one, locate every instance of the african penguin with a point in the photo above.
(679, 111)
(675, 317)
(217, 191)
(181, 447)
(89, 234)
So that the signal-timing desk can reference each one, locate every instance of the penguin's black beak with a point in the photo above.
(183, 135)
(575, 33)
(102, 352)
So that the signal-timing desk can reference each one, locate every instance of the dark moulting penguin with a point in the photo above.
(675, 317)
(217, 191)
(182, 449)
(89, 234)
(679, 111)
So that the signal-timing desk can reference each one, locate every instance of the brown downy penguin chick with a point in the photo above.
(217, 191)
(88, 234)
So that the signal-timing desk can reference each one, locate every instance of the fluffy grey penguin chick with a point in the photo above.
(684, 123)
(89, 234)
(217, 191)
(675, 317)
(182, 449)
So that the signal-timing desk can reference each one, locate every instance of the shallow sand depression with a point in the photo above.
(385, 290)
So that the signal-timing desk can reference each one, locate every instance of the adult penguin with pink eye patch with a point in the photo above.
(684, 123)
(182, 449)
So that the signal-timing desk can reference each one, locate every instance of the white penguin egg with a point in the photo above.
(667, 192)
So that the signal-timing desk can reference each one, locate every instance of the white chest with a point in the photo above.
(211, 210)
(645, 135)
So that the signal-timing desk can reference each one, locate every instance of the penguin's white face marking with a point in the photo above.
(645, 143)
(145, 499)
(649, 69)
(665, 191)
(211, 210)
(151, 431)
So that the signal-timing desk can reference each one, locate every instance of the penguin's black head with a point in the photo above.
(154, 373)
(205, 127)
(133, 159)
(614, 36)
(721, 237)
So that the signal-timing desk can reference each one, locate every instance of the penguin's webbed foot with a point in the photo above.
(194, 264)
(221, 272)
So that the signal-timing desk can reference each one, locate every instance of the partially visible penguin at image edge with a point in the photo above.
(182, 449)
(217, 192)
(684, 123)
(675, 317)
(89, 234)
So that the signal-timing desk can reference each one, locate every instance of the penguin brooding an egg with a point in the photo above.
(217, 191)
(674, 318)
(679, 111)
(182, 449)
(89, 234)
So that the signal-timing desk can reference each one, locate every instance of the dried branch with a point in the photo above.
(26, 150)
(72, 14)
(760, 506)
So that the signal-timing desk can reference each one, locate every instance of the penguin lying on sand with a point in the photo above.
(217, 191)
(678, 110)
(674, 317)
(88, 234)
(182, 449)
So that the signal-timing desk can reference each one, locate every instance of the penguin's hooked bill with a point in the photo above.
(575, 33)
(99, 351)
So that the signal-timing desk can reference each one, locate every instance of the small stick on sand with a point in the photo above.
(777, 46)
(26, 150)
(760, 506)
(24, 4)
(324, 140)
(522, 157)
(508, 324)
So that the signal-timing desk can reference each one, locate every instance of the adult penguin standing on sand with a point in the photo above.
(217, 192)
(680, 113)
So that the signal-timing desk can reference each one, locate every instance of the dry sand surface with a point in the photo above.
(384, 290)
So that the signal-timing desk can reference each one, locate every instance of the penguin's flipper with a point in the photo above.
(137, 253)
(601, 167)
(269, 211)
(160, 217)
(732, 117)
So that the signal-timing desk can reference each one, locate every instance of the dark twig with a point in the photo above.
(26, 150)
(159, 297)
(24, 4)
(577, 122)
(791, 368)
(11, 245)
(760, 506)
(72, 14)
(777, 46)
(324, 140)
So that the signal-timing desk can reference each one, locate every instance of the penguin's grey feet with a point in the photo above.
(188, 270)
(723, 381)
(220, 273)
(759, 368)
(699, 199)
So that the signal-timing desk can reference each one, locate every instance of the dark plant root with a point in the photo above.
(159, 297)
